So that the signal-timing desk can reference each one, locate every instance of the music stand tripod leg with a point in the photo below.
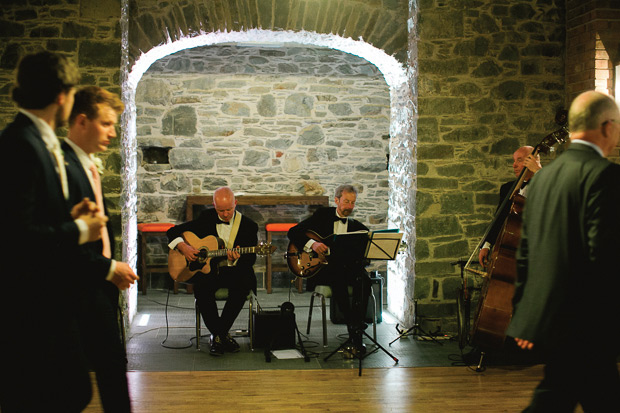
(412, 331)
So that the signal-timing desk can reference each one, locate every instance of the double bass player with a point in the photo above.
(522, 158)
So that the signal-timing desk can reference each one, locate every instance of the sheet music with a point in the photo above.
(383, 245)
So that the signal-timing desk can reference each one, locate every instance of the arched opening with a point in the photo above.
(401, 150)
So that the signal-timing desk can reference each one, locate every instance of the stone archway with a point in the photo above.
(402, 141)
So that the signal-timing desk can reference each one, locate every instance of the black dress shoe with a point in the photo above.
(217, 346)
(230, 344)
(359, 350)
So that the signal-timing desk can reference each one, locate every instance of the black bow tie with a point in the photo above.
(343, 220)
(224, 222)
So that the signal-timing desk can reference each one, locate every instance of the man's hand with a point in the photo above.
(85, 207)
(94, 222)
(483, 256)
(188, 251)
(320, 248)
(233, 255)
(524, 344)
(532, 163)
(123, 276)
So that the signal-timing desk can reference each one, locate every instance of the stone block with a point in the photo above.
(509, 90)
(180, 121)
(299, 104)
(254, 157)
(10, 29)
(100, 53)
(100, 9)
(438, 226)
(505, 146)
(441, 25)
(453, 249)
(311, 136)
(444, 67)
(485, 24)
(487, 69)
(467, 134)
(441, 105)
(426, 152)
(74, 30)
(450, 287)
(192, 159)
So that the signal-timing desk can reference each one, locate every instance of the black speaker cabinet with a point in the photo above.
(274, 327)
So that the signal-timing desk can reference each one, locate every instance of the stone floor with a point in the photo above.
(162, 338)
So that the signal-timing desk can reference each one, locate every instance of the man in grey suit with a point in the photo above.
(566, 300)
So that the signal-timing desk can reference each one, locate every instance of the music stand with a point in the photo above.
(352, 249)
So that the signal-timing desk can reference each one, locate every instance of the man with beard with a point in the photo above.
(342, 271)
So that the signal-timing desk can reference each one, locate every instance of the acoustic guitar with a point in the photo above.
(209, 248)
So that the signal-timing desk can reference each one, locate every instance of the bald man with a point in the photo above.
(522, 158)
(568, 273)
(235, 273)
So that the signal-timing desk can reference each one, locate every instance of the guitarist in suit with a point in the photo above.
(522, 158)
(91, 128)
(40, 247)
(341, 272)
(567, 264)
(235, 272)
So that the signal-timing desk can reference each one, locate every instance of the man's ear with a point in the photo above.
(80, 119)
(61, 99)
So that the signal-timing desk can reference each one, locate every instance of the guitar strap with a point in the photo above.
(233, 230)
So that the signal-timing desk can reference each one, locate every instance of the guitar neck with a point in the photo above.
(222, 252)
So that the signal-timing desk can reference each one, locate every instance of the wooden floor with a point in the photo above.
(423, 389)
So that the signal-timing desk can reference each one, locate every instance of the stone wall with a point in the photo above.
(265, 121)
(285, 121)
(87, 31)
(491, 77)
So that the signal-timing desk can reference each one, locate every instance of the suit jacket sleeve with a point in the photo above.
(321, 222)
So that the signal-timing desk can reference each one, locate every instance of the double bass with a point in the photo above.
(494, 310)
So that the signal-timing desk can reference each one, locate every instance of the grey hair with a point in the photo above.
(588, 114)
(345, 188)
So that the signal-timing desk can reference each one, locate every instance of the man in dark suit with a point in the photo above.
(236, 272)
(522, 158)
(566, 298)
(91, 128)
(342, 271)
(42, 366)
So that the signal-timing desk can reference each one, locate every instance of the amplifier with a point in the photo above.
(276, 327)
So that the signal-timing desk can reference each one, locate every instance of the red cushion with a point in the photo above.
(156, 227)
(282, 227)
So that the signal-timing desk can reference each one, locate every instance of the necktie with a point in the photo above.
(62, 172)
(105, 237)
(343, 220)
(224, 222)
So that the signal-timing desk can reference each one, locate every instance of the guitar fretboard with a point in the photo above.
(223, 251)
